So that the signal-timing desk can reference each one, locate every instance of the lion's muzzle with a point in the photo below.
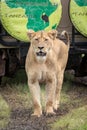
(40, 53)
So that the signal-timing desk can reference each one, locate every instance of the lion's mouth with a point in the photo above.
(40, 53)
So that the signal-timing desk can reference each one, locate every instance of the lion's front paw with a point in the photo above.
(37, 113)
(56, 106)
(50, 112)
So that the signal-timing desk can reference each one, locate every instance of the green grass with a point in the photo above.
(15, 89)
(74, 120)
(4, 113)
(19, 77)
(18, 82)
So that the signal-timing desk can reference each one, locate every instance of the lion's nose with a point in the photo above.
(40, 48)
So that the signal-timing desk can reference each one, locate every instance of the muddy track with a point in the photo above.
(21, 119)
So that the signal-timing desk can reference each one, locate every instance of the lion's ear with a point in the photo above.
(53, 34)
(30, 33)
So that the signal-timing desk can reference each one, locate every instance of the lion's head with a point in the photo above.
(42, 43)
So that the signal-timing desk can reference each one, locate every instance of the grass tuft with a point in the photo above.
(4, 113)
(74, 120)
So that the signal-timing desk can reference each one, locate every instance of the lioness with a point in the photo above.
(46, 61)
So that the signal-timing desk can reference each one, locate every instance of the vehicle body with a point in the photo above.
(13, 52)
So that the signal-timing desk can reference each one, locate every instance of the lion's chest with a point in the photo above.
(42, 75)
(41, 72)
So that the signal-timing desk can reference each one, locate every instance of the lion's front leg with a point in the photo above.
(50, 93)
(35, 93)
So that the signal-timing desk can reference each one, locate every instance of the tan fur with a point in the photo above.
(47, 66)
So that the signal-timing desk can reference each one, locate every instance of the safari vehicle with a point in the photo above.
(17, 17)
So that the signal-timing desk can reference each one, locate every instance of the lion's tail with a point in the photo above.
(65, 33)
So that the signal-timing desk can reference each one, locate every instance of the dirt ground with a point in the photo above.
(21, 119)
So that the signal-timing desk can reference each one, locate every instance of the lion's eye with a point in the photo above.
(46, 39)
(36, 39)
